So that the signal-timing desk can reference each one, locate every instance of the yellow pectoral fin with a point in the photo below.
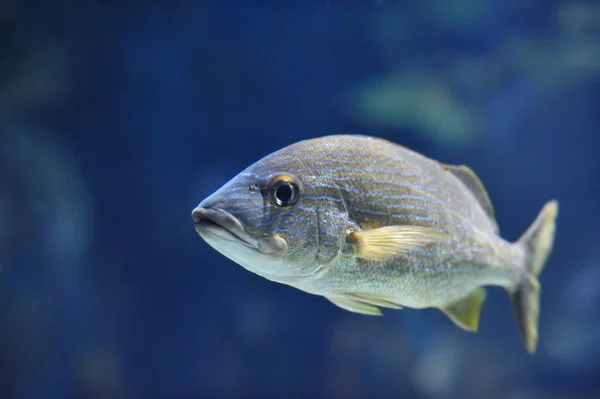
(465, 312)
(389, 242)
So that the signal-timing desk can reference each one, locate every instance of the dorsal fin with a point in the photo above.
(470, 180)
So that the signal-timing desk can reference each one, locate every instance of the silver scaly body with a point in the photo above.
(367, 223)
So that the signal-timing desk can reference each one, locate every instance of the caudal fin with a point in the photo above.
(537, 241)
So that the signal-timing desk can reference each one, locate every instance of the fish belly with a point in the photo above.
(411, 286)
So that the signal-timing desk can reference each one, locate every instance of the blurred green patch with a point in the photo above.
(443, 95)
(419, 101)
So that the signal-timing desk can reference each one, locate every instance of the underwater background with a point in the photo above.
(116, 119)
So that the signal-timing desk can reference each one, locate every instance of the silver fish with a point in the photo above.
(369, 224)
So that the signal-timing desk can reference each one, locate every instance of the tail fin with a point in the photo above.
(537, 241)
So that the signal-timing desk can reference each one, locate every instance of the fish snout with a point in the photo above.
(218, 217)
(199, 214)
(220, 223)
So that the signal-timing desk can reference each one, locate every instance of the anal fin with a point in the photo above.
(465, 312)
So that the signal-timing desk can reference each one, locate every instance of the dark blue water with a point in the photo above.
(117, 120)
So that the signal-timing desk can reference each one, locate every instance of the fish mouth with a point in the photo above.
(222, 225)
(261, 255)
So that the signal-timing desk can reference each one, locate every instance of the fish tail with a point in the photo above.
(537, 242)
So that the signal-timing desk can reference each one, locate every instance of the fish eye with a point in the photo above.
(284, 190)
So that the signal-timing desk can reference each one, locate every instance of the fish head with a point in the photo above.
(276, 219)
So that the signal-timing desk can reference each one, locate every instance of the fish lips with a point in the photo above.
(219, 224)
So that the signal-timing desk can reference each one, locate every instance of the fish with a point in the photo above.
(369, 224)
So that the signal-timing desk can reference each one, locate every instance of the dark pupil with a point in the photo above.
(284, 193)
